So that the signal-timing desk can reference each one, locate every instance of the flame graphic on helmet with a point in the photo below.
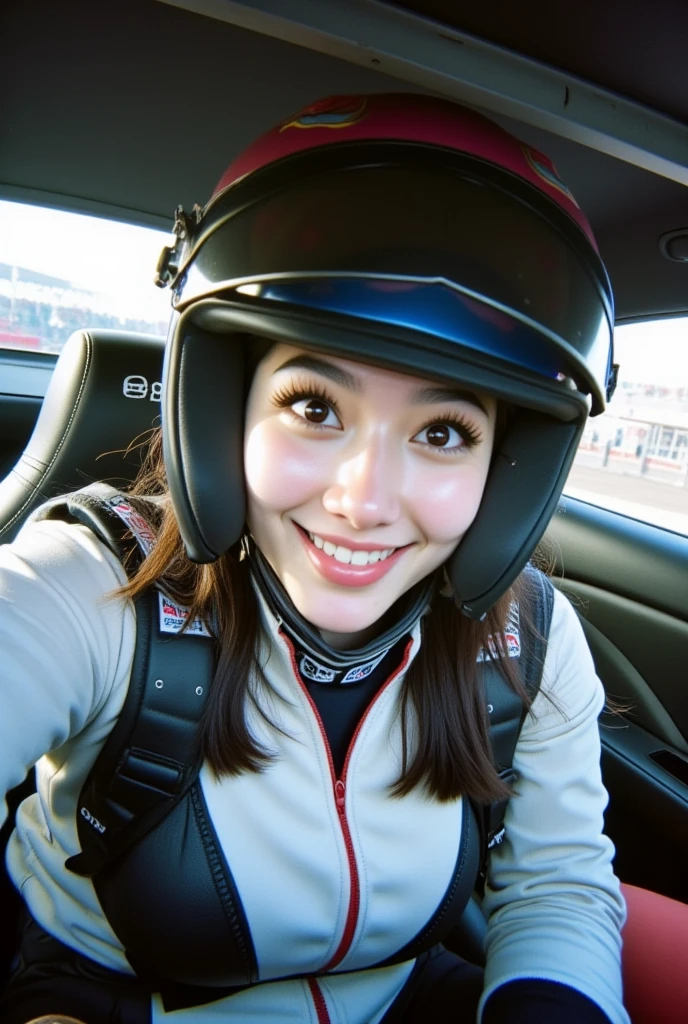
(334, 112)
(545, 169)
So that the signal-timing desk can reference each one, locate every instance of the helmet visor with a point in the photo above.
(507, 264)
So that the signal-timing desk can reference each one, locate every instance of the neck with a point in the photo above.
(351, 641)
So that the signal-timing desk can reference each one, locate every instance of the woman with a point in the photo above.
(402, 310)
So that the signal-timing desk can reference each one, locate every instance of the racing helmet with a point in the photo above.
(408, 232)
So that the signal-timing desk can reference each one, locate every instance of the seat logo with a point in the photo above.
(85, 813)
(136, 386)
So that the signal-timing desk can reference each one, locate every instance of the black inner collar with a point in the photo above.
(318, 661)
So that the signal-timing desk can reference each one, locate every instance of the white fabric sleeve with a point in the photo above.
(61, 642)
(552, 901)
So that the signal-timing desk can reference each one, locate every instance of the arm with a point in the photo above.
(552, 901)
(61, 644)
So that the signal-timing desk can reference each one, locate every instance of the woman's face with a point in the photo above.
(361, 481)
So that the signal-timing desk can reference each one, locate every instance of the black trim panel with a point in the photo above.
(613, 552)
(647, 818)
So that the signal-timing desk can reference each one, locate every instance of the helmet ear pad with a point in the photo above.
(523, 486)
(203, 431)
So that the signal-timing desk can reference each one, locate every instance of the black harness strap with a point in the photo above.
(506, 709)
(150, 759)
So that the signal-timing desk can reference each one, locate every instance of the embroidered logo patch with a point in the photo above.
(173, 617)
(317, 673)
(134, 522)
(93, 822)
(512, 639)
(359, 672)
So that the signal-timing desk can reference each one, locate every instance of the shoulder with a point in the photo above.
(54, 546)
(570, 686)
(59, 579)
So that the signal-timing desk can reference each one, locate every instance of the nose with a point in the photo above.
(367, 489)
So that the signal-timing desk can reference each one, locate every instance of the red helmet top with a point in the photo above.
(406, 117)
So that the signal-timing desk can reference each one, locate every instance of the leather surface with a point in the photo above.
(179, 903)
(100, 398)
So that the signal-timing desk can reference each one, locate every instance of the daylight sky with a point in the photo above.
(117, 261)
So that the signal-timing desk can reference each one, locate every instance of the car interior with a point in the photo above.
(127, 110)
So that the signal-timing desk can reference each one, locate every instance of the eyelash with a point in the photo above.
(289, 394)
(466, 431)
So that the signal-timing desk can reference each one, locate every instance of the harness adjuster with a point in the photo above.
(154, 771)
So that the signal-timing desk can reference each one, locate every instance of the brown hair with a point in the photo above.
(442, 692)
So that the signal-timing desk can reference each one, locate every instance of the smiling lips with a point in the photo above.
(349, 566)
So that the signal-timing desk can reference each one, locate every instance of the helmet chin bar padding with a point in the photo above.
(527, 474)
(203, 424)
(203, 431)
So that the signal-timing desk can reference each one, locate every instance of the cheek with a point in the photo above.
(448, 502)
(280, 474)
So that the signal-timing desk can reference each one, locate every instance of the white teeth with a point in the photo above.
(346, 555)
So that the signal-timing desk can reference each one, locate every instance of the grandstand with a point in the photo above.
(39, 312)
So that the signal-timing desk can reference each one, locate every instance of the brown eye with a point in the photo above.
(438, 435)
(316, 411)
(446, 438)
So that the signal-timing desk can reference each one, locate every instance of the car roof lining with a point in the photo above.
(637, 50)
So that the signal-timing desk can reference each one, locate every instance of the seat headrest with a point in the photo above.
(104, 393)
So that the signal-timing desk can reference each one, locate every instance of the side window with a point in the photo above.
(60, 271)
(634, 458)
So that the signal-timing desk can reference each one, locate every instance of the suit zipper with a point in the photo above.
(319, 1001)
(339, 792)
(355, 885)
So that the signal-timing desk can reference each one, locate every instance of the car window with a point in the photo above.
(634, 458)
(60, 271)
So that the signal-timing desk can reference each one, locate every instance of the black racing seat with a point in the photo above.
(104, 394)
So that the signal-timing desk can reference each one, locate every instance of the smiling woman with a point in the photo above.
(371, 401)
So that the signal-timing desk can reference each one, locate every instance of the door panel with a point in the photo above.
(647, 818)
(625, 684)
(629, 582)
(640, 653)
(622, 555)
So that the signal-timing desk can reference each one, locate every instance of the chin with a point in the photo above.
(340, 613)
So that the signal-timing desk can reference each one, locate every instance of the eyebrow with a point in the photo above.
(430, 396)
(424, 396)
(325, 369)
